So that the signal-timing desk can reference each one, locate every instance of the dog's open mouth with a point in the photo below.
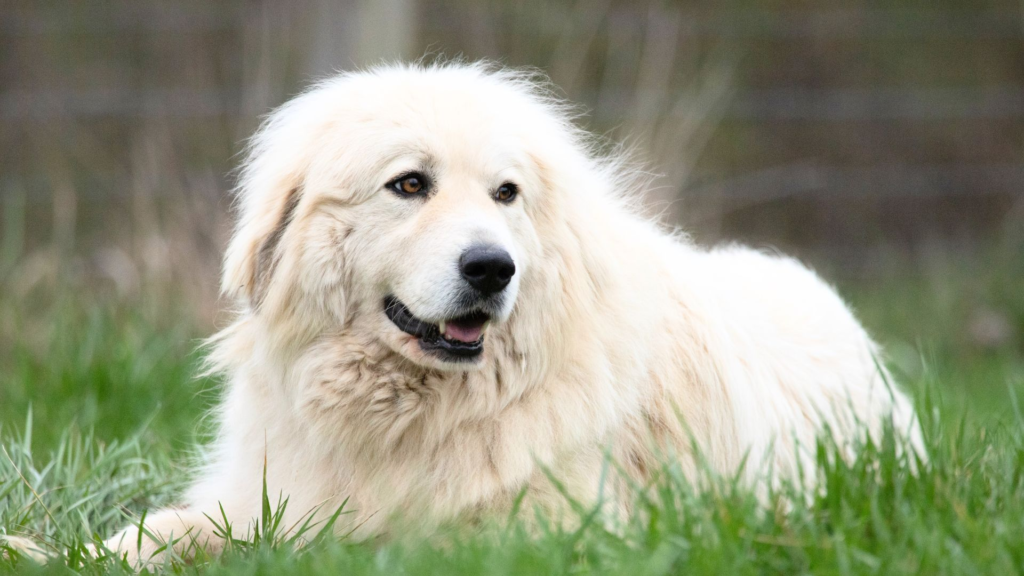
(455, 339)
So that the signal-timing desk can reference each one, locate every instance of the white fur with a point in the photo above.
(616, 338)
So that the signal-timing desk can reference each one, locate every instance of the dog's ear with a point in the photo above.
(268, 196)
(256, 246)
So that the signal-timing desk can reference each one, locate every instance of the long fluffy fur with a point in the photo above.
(623, 339)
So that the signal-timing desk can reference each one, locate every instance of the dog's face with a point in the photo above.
(442, 240)
(404, 203)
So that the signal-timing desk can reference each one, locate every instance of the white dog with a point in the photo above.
(445, 296)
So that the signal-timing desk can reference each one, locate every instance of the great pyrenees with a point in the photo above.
(446, 299)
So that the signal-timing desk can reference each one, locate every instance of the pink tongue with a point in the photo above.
(467, 333)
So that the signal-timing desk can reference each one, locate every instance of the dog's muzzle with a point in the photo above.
(457, 339)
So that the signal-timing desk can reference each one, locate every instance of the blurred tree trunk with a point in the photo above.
(350, 34)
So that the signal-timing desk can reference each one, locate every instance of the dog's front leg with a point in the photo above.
(25, 547)
(167, 534)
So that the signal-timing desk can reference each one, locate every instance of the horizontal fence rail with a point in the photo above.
(783, 103)
(909, 23)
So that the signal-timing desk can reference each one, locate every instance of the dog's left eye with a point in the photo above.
(506, 192)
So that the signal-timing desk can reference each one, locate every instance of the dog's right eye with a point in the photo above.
(412, 184)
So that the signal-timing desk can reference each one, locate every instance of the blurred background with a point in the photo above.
(880, 141)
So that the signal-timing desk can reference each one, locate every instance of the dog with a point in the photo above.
(447, 297)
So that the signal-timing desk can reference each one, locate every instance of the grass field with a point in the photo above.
(99, 412)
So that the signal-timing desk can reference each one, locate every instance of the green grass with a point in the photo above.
(99, 412)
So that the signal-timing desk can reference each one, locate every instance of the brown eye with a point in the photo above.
(506, 192)
(409, 184)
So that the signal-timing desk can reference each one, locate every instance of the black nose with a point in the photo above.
(487, 268)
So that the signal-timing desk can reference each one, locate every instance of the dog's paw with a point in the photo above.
(167, 535)
(25, 547)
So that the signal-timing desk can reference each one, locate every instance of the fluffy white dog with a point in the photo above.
(444, 295)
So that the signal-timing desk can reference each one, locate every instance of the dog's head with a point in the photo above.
(403, 202)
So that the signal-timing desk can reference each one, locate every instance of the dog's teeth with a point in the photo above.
(486, 325)
(442, 328)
